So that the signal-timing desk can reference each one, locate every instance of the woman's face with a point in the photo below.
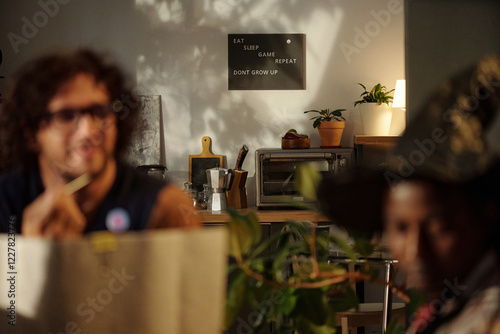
(433, 234)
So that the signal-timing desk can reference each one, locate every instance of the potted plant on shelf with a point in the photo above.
(330, 125)
(375, 111)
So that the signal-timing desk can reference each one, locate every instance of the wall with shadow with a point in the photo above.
(178, 49)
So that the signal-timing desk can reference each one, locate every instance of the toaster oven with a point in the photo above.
(274, 170)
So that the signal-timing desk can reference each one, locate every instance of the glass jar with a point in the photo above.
(203, 197)
(190, 192)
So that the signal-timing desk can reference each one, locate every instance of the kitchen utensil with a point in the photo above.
(241, 157)
(198, 164)
(218, 181)
(237, 194)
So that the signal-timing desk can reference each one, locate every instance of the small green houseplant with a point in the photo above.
(330, 125)
(378, 94)
(375, 111)
(325, 115)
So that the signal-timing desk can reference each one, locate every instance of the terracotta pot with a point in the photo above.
(330, 133)
(376, 118)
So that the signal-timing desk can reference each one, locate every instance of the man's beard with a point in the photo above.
(77, 164)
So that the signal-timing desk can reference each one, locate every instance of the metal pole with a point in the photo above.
(387, 305)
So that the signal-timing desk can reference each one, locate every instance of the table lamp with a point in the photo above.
(398, 124)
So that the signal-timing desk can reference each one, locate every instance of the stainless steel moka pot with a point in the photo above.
(218, 181)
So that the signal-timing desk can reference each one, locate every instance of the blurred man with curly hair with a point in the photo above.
(63, 125)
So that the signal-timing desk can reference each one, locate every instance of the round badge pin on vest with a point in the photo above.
(117, 220)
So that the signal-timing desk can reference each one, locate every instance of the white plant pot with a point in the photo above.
(376, 119)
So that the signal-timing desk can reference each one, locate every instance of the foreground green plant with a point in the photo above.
(288, 279)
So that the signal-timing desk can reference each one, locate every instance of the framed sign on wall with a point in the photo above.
(266, 61)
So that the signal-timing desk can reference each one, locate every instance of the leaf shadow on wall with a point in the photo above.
(184, 55)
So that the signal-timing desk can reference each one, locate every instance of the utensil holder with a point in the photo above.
(237, 195)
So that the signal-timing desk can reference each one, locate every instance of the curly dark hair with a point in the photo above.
(38, 82)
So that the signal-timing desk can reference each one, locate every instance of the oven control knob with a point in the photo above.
(343, 162)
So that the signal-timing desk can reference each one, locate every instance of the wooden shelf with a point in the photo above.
(369, 140)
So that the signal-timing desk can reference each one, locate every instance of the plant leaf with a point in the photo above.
(289, 301)
(304, 326)
(316, 123)
(232, 267)
(235, 298)
(281, 255)
(256, 265)
(364, 246)
(344, 246)
(266, 244)
(348, 299)
(378, 94)
(245, 232)
(279, 303)
(307, 179)
(299, 228)
(337, 112)
(362, 86)
(311, 305)
(417, 299)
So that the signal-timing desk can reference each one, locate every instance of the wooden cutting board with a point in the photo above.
(199, 163)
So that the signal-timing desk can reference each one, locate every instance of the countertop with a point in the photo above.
(264, 216)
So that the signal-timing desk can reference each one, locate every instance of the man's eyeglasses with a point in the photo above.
(69, 118)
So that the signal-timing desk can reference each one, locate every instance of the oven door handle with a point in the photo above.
(296, 156)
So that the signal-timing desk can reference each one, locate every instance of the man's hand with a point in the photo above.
(173, 209)
(53, 214)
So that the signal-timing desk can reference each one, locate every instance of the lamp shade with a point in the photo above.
(399, 100)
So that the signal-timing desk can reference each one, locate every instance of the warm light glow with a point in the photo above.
(398, 124)
(400, 95)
